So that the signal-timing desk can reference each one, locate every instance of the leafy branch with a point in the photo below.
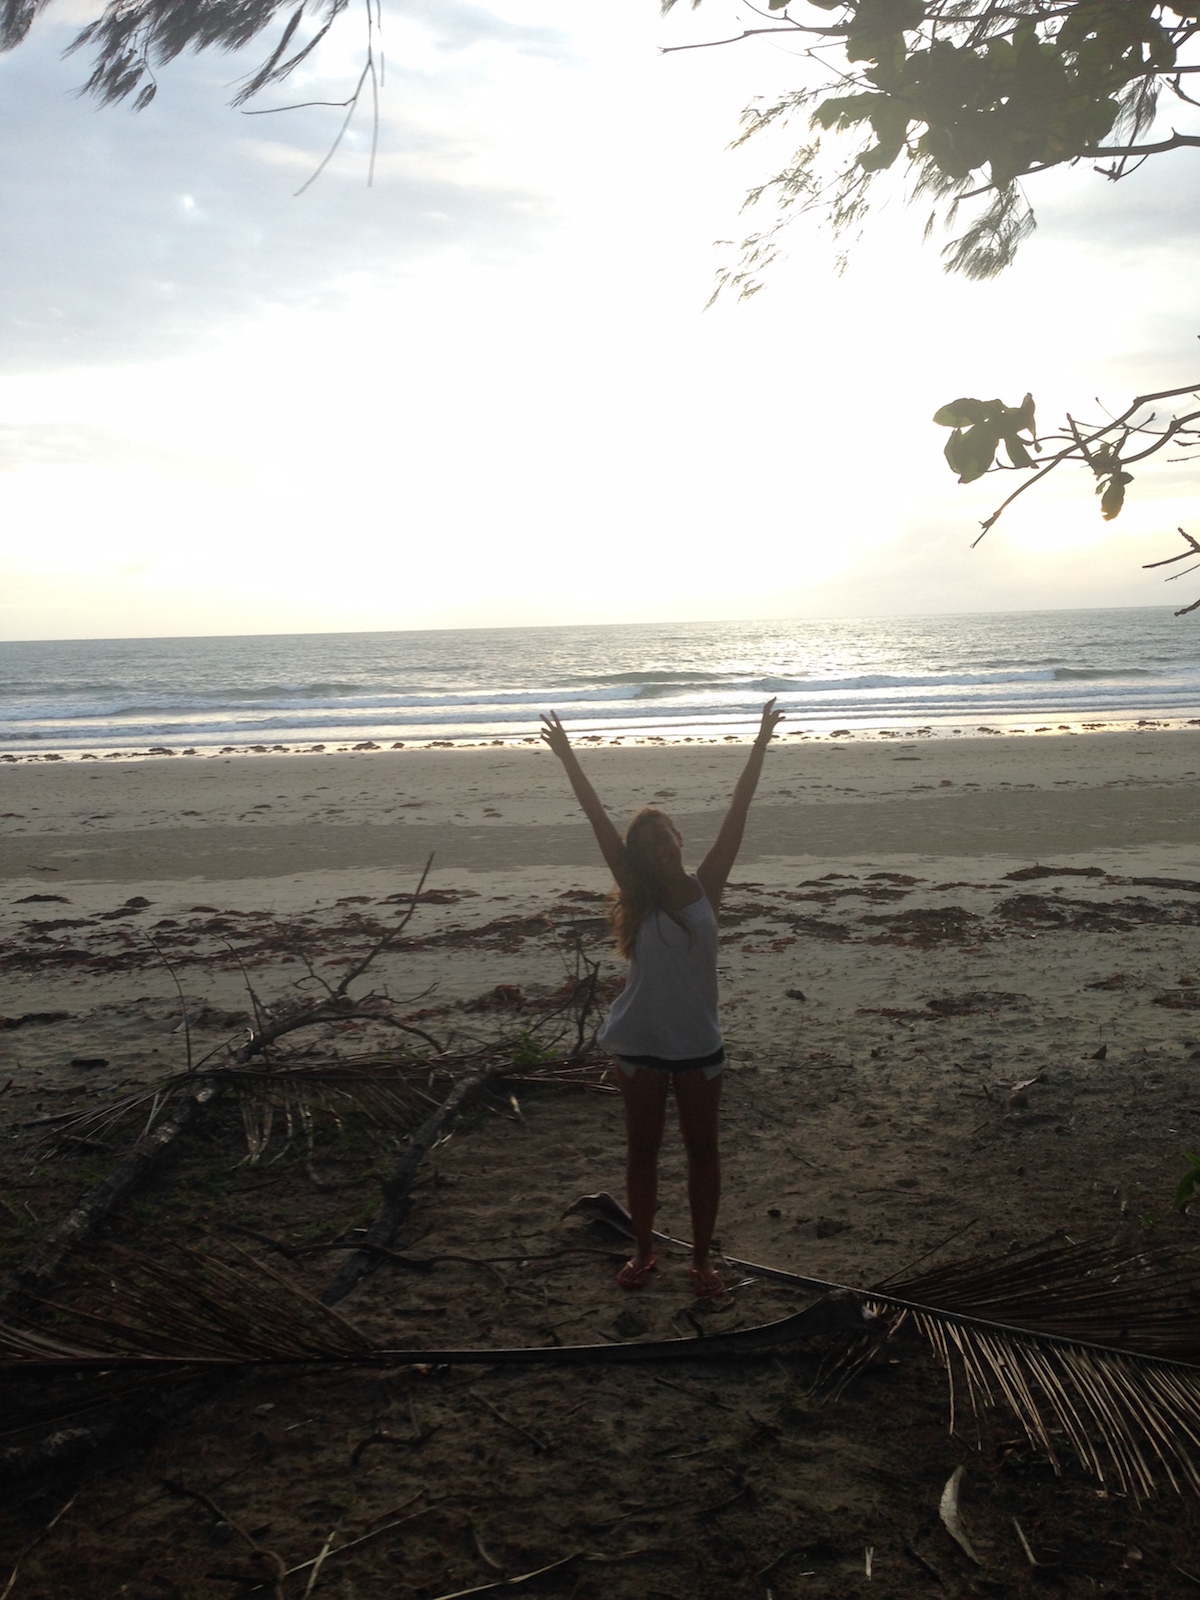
(130, 39)
(967, 97)
(1108, 449)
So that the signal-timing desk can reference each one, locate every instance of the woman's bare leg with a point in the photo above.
(698, 1099)
(645, 1097)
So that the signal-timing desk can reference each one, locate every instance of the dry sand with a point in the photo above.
(891, 968)
(269, 840)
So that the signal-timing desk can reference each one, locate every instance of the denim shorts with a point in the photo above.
(710, 1066)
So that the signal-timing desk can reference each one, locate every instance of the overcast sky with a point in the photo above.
(485, 391)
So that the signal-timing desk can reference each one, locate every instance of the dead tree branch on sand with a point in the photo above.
(33, 1275)
(396, 1190)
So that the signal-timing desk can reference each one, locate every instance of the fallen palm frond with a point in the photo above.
(387, 1090)
(384, 1092)
(1025, 1332)
(179, 1308)
(1141, 1299)
(141, 1322)
(1094, 1348)
(180, 1305)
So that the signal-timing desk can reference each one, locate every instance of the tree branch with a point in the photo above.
(1079, 446)
(1175, 142)
(1182, 556)
(389, 938)
(753, 33)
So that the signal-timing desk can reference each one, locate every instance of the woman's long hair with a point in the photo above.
(641, 889)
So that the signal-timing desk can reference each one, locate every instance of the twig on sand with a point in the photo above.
(911, 1550)
(389, 938)
(382, 1436)
(511, 1583)
(259, 1020)
(538, 1443)
(36, 1540)
(774, 1565)
(484, 1554)
(364, 1538)
(1025, 1545)
(187, 1029)
(176, 1486)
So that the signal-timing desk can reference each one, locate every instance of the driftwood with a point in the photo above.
(396, 1189)
(36, 1272)
(63, 1445)
(34, 1275)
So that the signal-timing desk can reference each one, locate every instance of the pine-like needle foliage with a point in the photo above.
(967, 99)
(130, 38)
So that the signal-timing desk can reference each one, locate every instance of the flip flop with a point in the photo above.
(631, 1277)
(705, 1285)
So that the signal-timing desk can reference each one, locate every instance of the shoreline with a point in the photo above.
(495, 813)
(874, 733)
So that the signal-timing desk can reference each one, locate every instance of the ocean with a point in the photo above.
(693, 680)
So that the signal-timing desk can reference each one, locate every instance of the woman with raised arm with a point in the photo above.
(663, 1028)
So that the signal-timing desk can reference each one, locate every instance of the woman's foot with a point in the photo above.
(706, 1281)
(635, 1274)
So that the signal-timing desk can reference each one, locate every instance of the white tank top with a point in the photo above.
(668, 1007)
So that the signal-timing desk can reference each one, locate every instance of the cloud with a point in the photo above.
(59, 444)
(130, 236)
(459, 26)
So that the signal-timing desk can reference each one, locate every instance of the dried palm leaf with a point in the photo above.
(387, 1091)
(1094, 1348)
(570, 1074)
(383, 1093)
(1020, 1332)
(1110, 1294)
(180, 1305)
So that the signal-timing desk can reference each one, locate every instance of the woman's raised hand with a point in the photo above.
(555, 735)
(770, 720)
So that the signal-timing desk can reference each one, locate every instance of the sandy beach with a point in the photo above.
(273, 839)
(962, 997)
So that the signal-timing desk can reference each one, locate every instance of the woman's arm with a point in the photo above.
(607, 837)
(718, 863)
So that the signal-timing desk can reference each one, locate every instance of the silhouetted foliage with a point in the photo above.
(1107, 448)
(969, 97)
(130, 38)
